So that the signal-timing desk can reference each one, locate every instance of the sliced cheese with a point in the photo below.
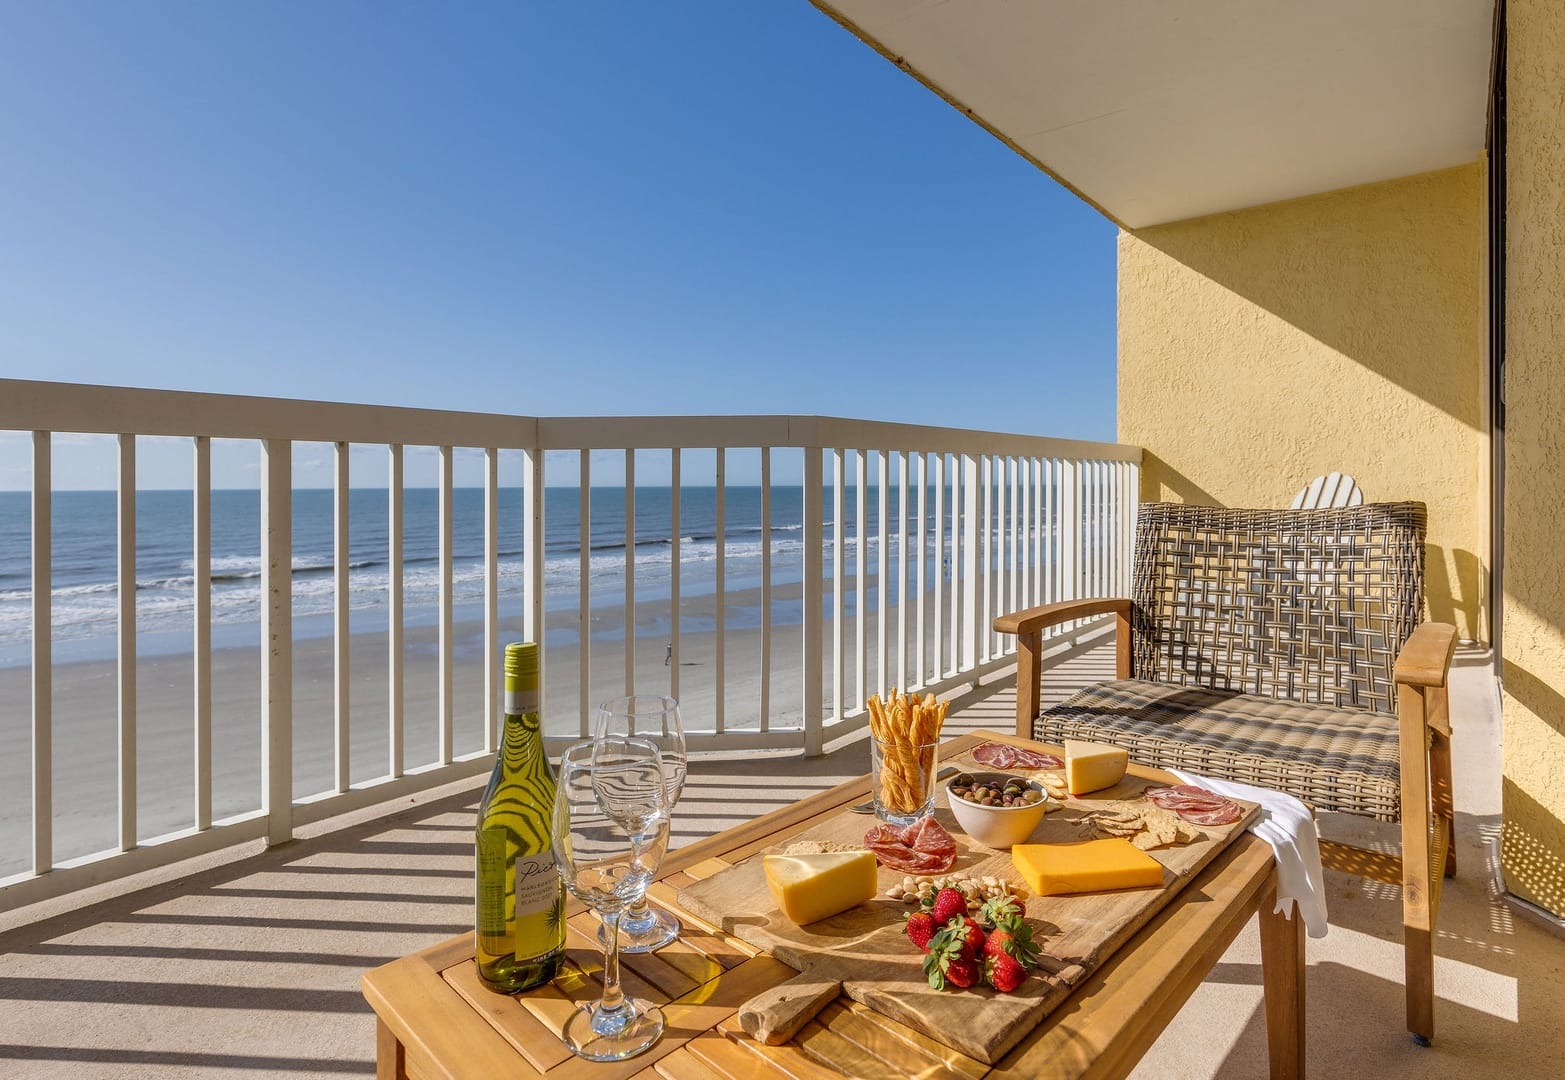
(817, 886)
(1092, 766)
(1094, 866)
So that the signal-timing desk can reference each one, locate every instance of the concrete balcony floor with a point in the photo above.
(250, 966)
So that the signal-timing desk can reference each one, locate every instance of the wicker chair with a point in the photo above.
(1281, 648)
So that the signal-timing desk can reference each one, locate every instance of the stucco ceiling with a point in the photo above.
(1158, 110)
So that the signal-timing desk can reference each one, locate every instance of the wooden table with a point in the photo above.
(436, 1019)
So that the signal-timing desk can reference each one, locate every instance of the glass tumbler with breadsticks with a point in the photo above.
(904, 737)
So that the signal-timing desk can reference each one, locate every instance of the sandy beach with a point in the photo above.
(85, 748)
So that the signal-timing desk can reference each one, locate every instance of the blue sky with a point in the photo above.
(595, 208)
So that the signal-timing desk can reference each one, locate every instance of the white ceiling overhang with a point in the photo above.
(1160, 110)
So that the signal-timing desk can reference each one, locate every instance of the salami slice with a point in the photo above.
(1196, 805)
(1004, 756)
(924, 847)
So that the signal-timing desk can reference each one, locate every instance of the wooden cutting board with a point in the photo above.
(864, 953)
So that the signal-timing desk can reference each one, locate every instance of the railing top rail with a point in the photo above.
(79, 407)
(74, 407)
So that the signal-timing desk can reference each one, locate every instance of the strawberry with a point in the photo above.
(919, 928)
(970, 934)
(1003, 972)
(949, 960)
(997, 910)
(947, 904)
(1012, 938)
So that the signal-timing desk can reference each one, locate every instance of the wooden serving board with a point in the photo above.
(863, 952)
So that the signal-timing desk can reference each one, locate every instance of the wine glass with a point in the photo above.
(655, 718)
(610, 832)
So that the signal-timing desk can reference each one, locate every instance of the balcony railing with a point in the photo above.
(910, 540)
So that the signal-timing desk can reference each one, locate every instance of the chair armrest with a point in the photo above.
(1036, 618)
(1426, 658)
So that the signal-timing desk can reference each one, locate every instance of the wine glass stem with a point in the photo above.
(613, 998)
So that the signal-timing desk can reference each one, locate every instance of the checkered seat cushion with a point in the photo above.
(1332, 758)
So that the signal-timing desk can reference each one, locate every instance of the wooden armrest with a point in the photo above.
(1025, 622)
(1426, 658)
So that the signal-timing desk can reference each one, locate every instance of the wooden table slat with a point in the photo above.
(681, 1065)
(645, 975)
(954, 1060)
(535, 1041)
(841, 1053)
(870, 1032)
(787, 1059)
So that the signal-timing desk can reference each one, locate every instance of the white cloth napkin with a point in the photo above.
(1289, 827)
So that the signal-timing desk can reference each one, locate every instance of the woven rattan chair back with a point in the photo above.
(1298, 605)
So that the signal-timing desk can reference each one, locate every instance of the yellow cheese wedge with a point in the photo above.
(812, 887)
(1093, 866)
(1092, 766)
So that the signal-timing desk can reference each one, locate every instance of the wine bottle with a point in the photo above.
(521, 898)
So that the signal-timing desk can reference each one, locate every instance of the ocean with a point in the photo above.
(85, 593)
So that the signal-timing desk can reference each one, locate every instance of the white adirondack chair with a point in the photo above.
(1328, 492)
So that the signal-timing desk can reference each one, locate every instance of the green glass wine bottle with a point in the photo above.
(521, 898)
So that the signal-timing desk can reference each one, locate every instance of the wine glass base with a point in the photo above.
(613, 1036)
(658, 929)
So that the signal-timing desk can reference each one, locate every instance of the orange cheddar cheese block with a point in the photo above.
(1093, 766)
(1093, 866)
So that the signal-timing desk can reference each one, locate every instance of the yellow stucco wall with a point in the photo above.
(1341, 332)
(1534, 574)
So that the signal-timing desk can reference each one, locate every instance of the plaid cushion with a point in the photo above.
(1333, 759)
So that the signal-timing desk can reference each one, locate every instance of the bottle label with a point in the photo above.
(537, 894)
(518, 702)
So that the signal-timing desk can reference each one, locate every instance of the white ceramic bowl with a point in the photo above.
(996, 826)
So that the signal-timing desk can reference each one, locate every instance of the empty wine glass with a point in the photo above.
(610, 832)
(655, 718)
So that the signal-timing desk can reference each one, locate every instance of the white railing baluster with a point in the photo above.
(630, 571)
(902, 493)
(813, 588)
(127, 641)
(860, 575)
(922, 578)
(1040, 567)
(972, 606)
(674, 573)
(445, 678)
(1025, 481)
(1051, 547)
(341, 605)
(720, 622)
(1001, 574)
(492, 685)
(838, 642)
(1018, 537)
(766, 588)
(394, 632)
(533, 624)
(939, 569)
(985, 608)
(277, 639)
(43, 653)
(882, 582)
(584, 605)
(201, 640)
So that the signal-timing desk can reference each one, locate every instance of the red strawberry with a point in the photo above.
(996, 911)
(963, 973)
(970, 934)
(919, 928)
(948, 904)
(1013, 938)
(949, 960)
(1003, 972)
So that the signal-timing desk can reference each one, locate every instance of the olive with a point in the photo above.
(959, 791)
(1033, 796)
(963, 780)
